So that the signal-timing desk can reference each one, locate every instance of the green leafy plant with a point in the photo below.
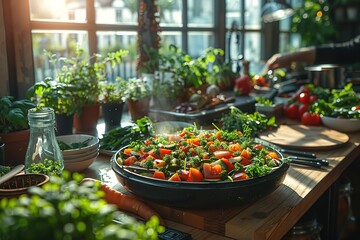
(113, 92)
(264, 101)
(151, 60)
(222, 75)
(76, 82)
(13, 114)
(312, 21)
(193, 72)
(138, 89)
(64, 208)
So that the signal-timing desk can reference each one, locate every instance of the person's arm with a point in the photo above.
(306, 55)
(340, 53)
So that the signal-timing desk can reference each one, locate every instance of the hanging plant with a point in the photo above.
(148, 36)
(312, 21)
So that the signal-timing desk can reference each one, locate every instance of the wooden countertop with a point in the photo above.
(272, 216)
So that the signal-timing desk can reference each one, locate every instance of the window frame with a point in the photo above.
(19, 28)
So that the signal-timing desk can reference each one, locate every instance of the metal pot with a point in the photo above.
(327, 75)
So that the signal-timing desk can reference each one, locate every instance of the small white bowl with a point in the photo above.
(341, 124)
(80, 155)
(78, 138)
(83, 158)
(79, 166)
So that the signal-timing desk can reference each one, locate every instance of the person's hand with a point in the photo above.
(279, 61)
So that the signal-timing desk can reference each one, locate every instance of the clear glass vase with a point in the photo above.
(43, 154)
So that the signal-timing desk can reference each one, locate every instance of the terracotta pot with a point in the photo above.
(86, 122)
(139, 109)
(15, 146)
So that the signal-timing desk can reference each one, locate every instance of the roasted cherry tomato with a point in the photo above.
(212, 171)
(195, 175)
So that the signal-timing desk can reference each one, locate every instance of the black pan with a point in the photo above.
(198, 194)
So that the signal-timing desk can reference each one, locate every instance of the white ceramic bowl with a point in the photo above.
(92, 144)
(81, 154)
(341, 124)
(82, 158)
(79, 166)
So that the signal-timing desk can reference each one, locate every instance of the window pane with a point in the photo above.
(170, 38)
(59, 10)
(62, 43)
(112, 12)
(170, 12)
(252, 47)
(233, 12)
(201, 13)
(114, 41)
(252, 13)
(198, 42)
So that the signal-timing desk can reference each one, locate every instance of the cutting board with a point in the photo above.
(303, 137)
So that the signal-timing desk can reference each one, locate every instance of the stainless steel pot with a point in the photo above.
(327, 75)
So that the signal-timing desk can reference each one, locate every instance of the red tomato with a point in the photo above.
(245, 161)
(302, 89)
(184, 174)
(195, 175)
(243, 85)
(229, 165)
(240, 176)
(311, 119)
(211, 171)
(273, 155)
(175, 177)
(164, 152)
(158, 163)
(355, 108)
(304, 98)
(245, 154)
(235, 147)
(128, 151)
(223, 154)
(159, 175)
(313, 98)
(302, 108)
(130, 160)
(258, 146)
(292, 111)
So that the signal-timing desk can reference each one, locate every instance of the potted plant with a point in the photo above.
(139, 94)
(167, 93)
(14, 128)
(59, 95)
(75, 88)
(223, 76)
(112, 99)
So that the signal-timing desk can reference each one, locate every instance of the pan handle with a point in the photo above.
(306, 163)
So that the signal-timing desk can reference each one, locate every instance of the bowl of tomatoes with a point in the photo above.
(199, 168)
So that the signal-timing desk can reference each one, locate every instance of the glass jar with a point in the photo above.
(43, 154)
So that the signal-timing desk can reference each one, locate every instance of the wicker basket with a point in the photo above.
(21, 183)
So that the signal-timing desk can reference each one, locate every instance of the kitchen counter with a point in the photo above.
(270, 217)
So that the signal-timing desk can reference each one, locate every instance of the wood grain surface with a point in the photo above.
(305, 137)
